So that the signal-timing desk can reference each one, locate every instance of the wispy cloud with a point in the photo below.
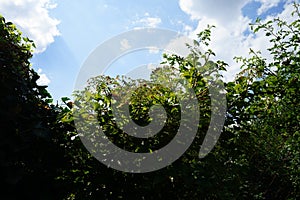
(32, 17)
(266, 5)
(150, 21)
(153, 50)
(147, 21)
(125, 45)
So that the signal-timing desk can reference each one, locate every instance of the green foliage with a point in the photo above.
(29, 158)
(104, 93)
(264, 114)
(256, 157)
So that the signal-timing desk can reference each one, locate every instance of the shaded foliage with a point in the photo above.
(256, 157)
(264, 114)
(29, 157)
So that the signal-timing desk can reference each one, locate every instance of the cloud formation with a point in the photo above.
(220, 10)
(33, 19)
(125, 45)
(229, 38)
(147, 21)
(266, 5)
(43, 80)
(150, 21)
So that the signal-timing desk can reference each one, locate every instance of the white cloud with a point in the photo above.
(43, 80)
(186, 29)
(221, 10)
(124, 45)
(228, 38)
(32, 17)
(150, 21)
(153, 50)
(266, 5)
(147, 21)
(178, 46)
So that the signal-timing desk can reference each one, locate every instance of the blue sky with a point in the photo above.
(66, 32)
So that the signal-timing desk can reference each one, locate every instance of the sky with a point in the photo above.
(66, 32)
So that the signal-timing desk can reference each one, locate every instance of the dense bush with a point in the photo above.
(29, 157)
(256, 157)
